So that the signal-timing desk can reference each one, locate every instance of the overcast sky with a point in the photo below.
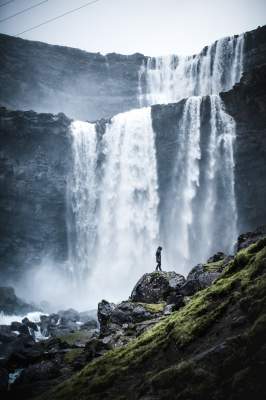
(152, 27)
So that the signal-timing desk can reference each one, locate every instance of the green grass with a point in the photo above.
(153, 308)
(76, 337)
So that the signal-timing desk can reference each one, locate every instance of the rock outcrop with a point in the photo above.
(156, 287)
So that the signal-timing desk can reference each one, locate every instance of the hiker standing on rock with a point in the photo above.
(158, 259)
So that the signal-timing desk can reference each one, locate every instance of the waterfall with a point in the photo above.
(170, 78)
(115, 204)
(83, 193)
(203, 216)
(115, 222)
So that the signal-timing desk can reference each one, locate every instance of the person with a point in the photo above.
(158, 259)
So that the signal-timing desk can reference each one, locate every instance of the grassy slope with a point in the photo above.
(211, 348)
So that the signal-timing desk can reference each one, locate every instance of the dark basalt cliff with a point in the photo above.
(46, 78)
(247, 104)
(34, 161)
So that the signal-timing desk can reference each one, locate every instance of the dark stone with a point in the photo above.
(10, 303)
(69, 315)
(217, 257)
(29, 324)
(105, 310)
(21, 328)
(199, 278)
(40, 371)
(3, 380)
(156, 286)
(34, 162)
(248, 238)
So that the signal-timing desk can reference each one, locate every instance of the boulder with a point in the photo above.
(69, 315)
(155, 287)
(19, 327)
(105, 310)
(249, 238)
(203, 275)
(29, 324)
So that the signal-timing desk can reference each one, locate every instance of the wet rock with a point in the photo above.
(248, 238)
(3, 380)
(40, 371)
(19, 327)
(69, 315)
(155, 287)
(217, 257)
(104, 312)
(11, 304)
(92, 324)
(29, 324)
(198, 278)
(177, 300)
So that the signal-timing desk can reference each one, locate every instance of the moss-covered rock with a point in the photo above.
(195, 353)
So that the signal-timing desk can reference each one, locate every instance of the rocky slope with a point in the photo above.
(213, 346)
(83, 85)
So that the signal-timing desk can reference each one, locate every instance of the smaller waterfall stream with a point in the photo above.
(203, 216)
(170, 78)
(83, 197)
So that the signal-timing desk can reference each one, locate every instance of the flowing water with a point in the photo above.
(114, 206)
(202, 215)
(170, 78)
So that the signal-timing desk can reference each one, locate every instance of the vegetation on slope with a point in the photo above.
(213, 348)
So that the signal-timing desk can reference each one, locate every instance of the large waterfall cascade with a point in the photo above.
(171, 78)
(113, 192)
(115, 209)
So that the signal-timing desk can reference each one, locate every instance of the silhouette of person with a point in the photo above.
(158, 259)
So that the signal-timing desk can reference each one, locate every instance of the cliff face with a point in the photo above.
(247, 104)
(83, 85)
(34, 161)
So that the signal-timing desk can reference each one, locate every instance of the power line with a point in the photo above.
(57, 17)
(23, 11)
(6, 3)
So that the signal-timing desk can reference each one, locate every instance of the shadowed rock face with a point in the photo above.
(34, 161)
(46, 78)
(246, 102)
(55, 79)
